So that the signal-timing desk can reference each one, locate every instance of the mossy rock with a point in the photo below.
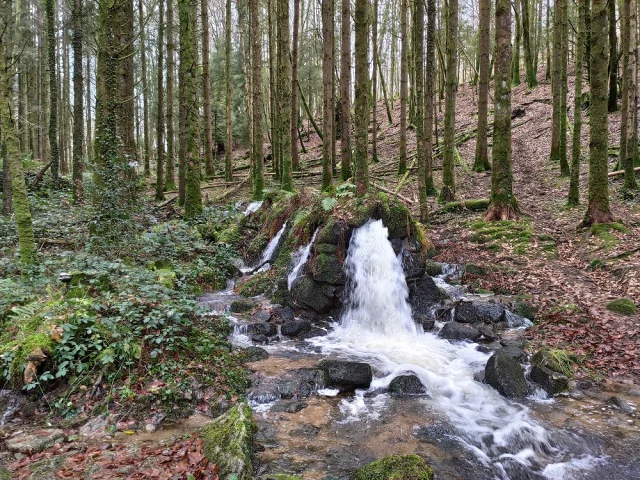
(328, 269)
(230, 236)
(395, 216)
(396, 467)
(228, 442)
(419, 232)
(473, 269)
(260, 283)
(325, 248)
(475, 205)
(432, 268)
(624, 306)
(600, 228)
(242, 306)
(555, 360)
(257, 245)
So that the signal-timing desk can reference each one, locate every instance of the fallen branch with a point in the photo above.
(390, 192)
(621, 172)
(40, 174)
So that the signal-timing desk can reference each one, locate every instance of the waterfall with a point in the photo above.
(377, 327)
(252, 207)
(299, 260)
(272, 246)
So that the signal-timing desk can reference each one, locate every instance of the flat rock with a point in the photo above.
(35, 441)
(620, 404)
(261, 316)
(289, 406)
(295, 328)
(254, 354)
(347, 376)
(459, 331)
(506, 375)
(94, 427)
(478, 312)
(281, 315)
(261, 328)
(407, 385)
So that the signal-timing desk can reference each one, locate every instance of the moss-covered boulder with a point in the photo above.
(242, 306)
(624, 306)
(328, 269)
(228, 442)
(395, 467)
(319, 297)
(506, 375)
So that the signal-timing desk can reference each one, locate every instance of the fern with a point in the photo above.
(328, 203)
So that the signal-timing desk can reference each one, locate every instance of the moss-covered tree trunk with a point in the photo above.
(564, 164)
(547, 70)
(613, 58)
(206, 89)
(554, 156)
(6, 182)
(448, 192)
(402, 162)
(145, 99)
(284, 85)
(428, 98)
(361, 92)
(256, 92)
(598, 209)
(78, 107)
(515, 58)
(632, 101)
(345, 90)
(53, 90)
(624, 111)
(295, 156)
(374, 83)
(160, 109)
(327, 92)
(418, 60)
(228, 148)
(170, 157)
(481, 162)
(503, 204)
(21, 209)
(532, 81)
(574, 184)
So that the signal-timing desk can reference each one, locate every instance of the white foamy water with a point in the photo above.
(268, 253)
(252, 207)
(377, 327)
(299, 260)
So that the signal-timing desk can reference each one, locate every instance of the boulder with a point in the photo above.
(242, 306)
(395, 467)
(34, 441)
(228, 442)
(506, 375)
(328, 269)
(317, 296)
(459, 331)
(550, 381)
(261, 316)
(478, 312)
(620, 404)
(432, 268)
(288, 406)
(333, 232)
(259, 338)
(516, 321)
(261, 328)
(347, 376)
(426, 321)
(557, 362)
(424, 294)
(301, 383)
(253, 354)
(514, 352)
(281, 315)
(295, 328)
(407, 385)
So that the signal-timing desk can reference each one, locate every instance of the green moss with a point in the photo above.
(166, 277)
(257, 245)
(396, 467)
(601, 228)
(228, 442)
(325, 248)
(557, 360)
(596, 263)
(624, 306)
(419, 232)
(258, 284)
(433, 268)
(242, 306)
(473, 269)
(229, 235)
(395, 215)
(495, 234)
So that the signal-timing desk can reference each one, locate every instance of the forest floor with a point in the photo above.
(567, 274)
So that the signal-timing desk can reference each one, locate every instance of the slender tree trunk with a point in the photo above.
(515, 59)
(295, 156)
(89, 138)
(402, 163)
(256, 66)
(284, 85)
(327, 89)
(556, 84)
(228, 149)
(53, 91)
(345, 89)
(574, 185)
(481, 162)
(429, 106)
(160, 117)
(206, 88)
(632, 107)
(361, 100)
(598, 210)
(503, 204)
(564, 164)
(274, 92)
(526, 43)
(374, 83)
(170, 158)
(78, 107)
(125, 119)
(448, 191)
(625, 35)
(547, 74)
(145, 96)
(613, 58)
(7, 197)
(189, 100)
(418, 58)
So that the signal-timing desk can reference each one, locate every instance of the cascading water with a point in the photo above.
(252, 207)
(377, 326)
(268, 253)
(299, 260)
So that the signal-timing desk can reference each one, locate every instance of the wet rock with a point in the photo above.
(518, 342)
(260, 339)
(478, 312)
(412, 262)
(35, 441)
(506, 375)
(317, 296)
(254, 354)
(261, 316)
(301, 383)
(516, 321)
(242, 306)
(479, 376)
(347, 376)
(487, 331)
(14, 406)
(620, 404)
(328, 269)
(314, 331)
(407, 385)
(281, 315)
(432, 268)
(514, 352)
(396, 466)
(427, 322)
(262, 328)
(290, 406)
(94, 427)
(424, 294)
(295, 328)
(228, 442)
(459, 331)
(307, 431)
(333, 233)
(489, 347)
(550, 381)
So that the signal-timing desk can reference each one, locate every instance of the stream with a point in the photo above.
(464, 428)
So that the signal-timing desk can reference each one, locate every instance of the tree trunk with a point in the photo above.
(515, 59)
(481, 162)
(78, 107)
(145, 96)
(613, 59)
(53, 91)
(574, 185)
(555, 81)
(170, 158)
(327, 89)
(632, 107)
(503, 204)
(402, 163)
(125, 119)
(89, 139)
(361, 101)
(256, 114)
(598, 210)
(564, 164)
(429, 106)
(345, 89)
(206, 88)
(228, 149)
(418, 58)
(448, 192)
(295, 156)
(284, 86)
(526, 43)
(625, 35)
(160, 116)
(374, 83)
(547, 72)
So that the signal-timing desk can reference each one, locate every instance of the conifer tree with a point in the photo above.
(361, 99)
(256, 87)
(481, 162)
(327, 93)
(402, 163)
(345, 90)
(574, 185)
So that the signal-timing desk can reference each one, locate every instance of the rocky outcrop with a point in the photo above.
(424, 294)
(327, 268)
(407, 385)
(228, 442)
(319, 297)
(506, 375)
(347, 376)
(396, 467)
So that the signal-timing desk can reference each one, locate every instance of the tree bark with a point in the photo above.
(284, 85)
(418, 58)
(402, 163)
(295, 156)
(632, 107)
(256, 115)
(228, 149)
(564, 164)
(613, 59)
(327, 89)
(532, 81)
(160, 115)
(374, 83)
(145, 96)
(78, 107)
(170, 158)
(53, 91)
(555, 81)
(361, 101)
(429, 98)
(574, 185)
(515, 59)
(345, 89)
(481, 162)
(206, 88)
